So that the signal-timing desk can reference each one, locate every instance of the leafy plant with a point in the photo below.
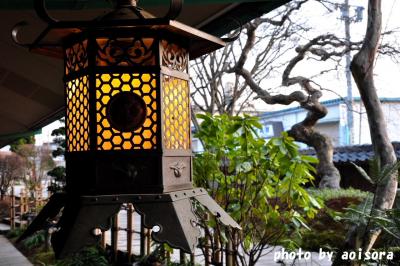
(365, 217)
(328, 231)
(89, 256)
(58, 172)
(35, 240)
(329, 194)
(44, 258)
(15, 233)
(260, 184)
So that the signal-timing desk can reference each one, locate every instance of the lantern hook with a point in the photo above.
(175, 9)
(14, 33)
(41, 11)
(237, 35)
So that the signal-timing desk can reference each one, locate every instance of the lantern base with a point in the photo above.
(171, 212)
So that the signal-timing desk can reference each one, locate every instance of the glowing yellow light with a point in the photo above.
(146, 88)
(147, 123)
(105, 123)
(136, 83)
(175, 115)
(127, 135)
(106, 88)
(98, 116)
(104, 78)
(126, 87)
(127, 145)
(107, 145)
(125, 77)
(115, 83)
(105, 99)
(117, 140)
(107, 134)
(147, 133)
(147, 145)
(146, 77)
(77, 114)
(137, 139)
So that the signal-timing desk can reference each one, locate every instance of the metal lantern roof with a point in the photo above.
(31, 88)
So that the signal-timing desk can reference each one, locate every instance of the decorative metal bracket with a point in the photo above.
(178, 168)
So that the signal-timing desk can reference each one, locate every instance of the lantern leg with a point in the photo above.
(81, 225)
(175, 221)
(217, 211)
(56, 202)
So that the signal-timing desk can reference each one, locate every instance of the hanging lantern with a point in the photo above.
(127, 124)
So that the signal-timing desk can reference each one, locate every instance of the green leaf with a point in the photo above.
(363, 173)
(310, 159)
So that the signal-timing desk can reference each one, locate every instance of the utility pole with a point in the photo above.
(348, 19)
(350, 101)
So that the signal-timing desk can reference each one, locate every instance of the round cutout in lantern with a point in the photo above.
(126, 111)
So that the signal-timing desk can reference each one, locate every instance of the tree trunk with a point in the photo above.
(326, 170)
(304, 131)
(362, 69)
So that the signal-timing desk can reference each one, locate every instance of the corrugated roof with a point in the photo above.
(354, 154)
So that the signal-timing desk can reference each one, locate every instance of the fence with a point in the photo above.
(22, 205)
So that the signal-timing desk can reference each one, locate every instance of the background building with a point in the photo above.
(334, 124)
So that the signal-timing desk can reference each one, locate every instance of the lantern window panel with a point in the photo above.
(176, 120)
(77, 117)
(109, 136)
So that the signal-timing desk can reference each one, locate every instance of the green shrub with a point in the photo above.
(17, 232)
(313, 240)
(329, 229)
(44, 258)
(260, 184)
(328, 194)
(89, 256)
(35, 240)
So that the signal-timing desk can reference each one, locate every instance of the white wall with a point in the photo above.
(330, 129)
(289, 119)
(392, 117)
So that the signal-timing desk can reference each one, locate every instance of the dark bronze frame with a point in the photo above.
(158, 182)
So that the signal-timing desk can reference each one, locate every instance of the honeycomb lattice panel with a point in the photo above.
(77, 119)
(107, 86)
(76, 57)
(176, 120)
